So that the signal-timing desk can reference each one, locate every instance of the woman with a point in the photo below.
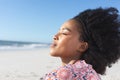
(86, 44)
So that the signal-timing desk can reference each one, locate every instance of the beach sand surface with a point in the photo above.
(33, 64)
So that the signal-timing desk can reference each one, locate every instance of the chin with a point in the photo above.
(54, 54)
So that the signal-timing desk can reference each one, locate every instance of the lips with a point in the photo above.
(53, 45)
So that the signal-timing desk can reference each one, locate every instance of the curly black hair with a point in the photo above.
(101, 30)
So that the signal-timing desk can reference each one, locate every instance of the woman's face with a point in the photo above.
(66, 42)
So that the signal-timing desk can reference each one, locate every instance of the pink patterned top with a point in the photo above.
(77, 71)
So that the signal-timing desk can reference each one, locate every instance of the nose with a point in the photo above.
(56, 37)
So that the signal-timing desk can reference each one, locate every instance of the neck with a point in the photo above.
(68, 61)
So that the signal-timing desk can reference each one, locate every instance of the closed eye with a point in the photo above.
(64, 33)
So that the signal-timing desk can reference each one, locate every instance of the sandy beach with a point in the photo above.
(33, 64)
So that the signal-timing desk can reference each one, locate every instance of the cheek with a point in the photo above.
(60, 49)
(65, 47)
(73, 41)
(69, 45)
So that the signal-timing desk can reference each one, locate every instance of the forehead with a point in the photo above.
(70, 25)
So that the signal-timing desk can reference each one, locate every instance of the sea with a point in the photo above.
(21, 45)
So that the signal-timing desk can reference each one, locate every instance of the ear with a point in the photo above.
(83, 46)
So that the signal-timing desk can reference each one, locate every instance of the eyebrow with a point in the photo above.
(66, 29)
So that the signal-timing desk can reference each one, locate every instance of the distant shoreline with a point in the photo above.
(15, 45)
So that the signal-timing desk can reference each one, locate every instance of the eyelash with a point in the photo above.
(64, 33)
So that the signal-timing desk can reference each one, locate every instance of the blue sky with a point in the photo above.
(39, 20)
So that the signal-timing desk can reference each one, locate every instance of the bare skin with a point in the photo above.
(66, 43)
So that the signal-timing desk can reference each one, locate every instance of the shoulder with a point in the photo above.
(79, 70)
(85, 71)
(62, 73)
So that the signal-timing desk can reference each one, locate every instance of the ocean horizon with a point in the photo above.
(20, 45)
